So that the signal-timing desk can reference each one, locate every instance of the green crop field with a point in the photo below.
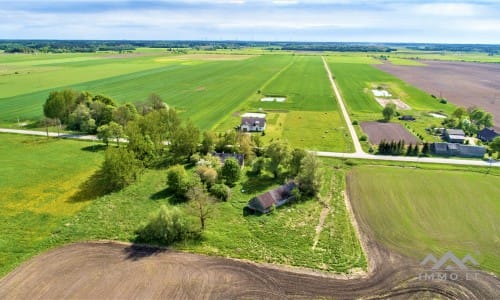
(39, 178)
(310, 106)
(204, 91)
(416, 212)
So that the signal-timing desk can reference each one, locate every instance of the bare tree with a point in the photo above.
(200, 203)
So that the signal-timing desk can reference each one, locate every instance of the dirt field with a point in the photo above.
(378, 131)
(464, 84)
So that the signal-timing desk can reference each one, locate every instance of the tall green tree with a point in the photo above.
(230, 171)
(179, 181)
(389, 111)
(119, 169)
(184, 141)
(310, 176)
(495, 144)
(208, 142)
(60, 104)
(295, 161)
(278, 154)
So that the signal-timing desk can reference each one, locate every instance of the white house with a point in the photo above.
(253, 122)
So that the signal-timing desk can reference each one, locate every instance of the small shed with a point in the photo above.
(487, 135)
(277, 197)
(454, 135)
(407, 118)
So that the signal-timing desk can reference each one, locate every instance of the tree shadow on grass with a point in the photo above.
(94, 187)
(139, 251)
(165, 193)
(259, 183)
(95, 148)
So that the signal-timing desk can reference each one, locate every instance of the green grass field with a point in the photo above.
(416, 212)
(203, 90)
(284, 237)
(39, 178)
(310, 106)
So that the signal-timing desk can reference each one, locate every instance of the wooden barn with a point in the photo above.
(277, 197)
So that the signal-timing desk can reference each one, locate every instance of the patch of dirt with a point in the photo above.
(399, 104)
(464, 84)
(379, 131)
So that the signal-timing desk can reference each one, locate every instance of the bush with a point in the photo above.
(355, 122)
(350, 162)
(363, 138)
(443, 101)
(167, 226)
(119, 169)
(179, 180)
(221, 192)
(230, 171)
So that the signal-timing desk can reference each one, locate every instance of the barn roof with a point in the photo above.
(264, 201)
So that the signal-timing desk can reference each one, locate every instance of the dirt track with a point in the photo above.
(118, 271)
(464, 84)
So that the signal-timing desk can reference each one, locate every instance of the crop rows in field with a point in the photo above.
(433, 212)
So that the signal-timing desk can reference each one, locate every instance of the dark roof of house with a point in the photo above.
(264, 201)
(253, 121)
(455, 132)
(487, 134)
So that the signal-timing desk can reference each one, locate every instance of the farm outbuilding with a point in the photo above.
(277, 197)
(253, 122)
(454, 135)
(487, 135)
(453, 149)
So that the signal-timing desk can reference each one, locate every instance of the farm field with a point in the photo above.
(463, 84)
(39, 178)
(193, 87)
(378, 131)
(434, 212)
(310, 106)
(356, 81)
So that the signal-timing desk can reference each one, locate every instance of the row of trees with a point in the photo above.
(399, 148)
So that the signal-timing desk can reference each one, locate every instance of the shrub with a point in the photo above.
(350, 162)
(355, 122)
(363, 138)
(179, 180)
(443, 101)
(230, 171)
(167, 226)
(221, 192)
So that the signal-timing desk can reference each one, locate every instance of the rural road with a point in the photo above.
(356, 155)
(352, 131)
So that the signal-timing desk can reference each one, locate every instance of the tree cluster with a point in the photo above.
(398, 148)
(470, 120)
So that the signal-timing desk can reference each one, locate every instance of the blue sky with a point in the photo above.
(442, 21)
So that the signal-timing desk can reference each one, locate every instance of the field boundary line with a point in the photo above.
(357, 145)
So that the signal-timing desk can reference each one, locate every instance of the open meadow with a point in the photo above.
(417, 212)
(40, 181)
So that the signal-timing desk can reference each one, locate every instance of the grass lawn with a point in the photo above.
(285, 236)
(39, 177)
(416, 212)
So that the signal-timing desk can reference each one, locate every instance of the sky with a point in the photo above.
(417, 21)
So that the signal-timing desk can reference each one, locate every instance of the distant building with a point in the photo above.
(253, 122)
(407, 118)
(277, 197)
(454, 136)
(453, 149)
(487, 135)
